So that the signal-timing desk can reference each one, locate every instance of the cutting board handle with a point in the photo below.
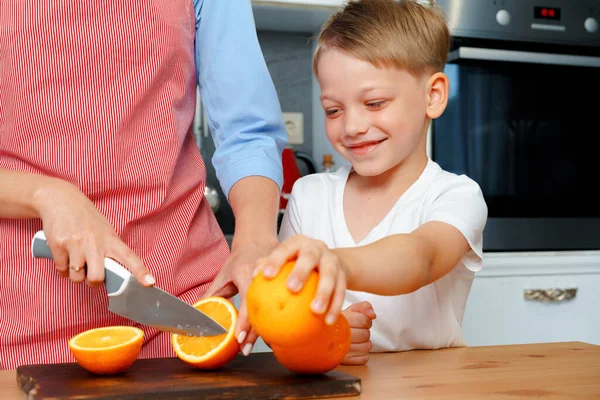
(116, 276)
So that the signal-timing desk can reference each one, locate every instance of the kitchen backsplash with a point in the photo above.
(289, 59)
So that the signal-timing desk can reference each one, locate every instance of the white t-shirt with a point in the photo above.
(431, 317)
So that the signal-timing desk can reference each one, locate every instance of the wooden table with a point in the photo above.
(546, 371)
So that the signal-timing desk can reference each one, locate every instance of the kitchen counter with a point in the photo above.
(569, 370)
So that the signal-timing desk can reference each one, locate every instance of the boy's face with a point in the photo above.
(375, 117)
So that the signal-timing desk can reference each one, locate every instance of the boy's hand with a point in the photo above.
(309, 254)
(360, 316)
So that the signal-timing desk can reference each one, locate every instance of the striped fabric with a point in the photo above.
(101, 94)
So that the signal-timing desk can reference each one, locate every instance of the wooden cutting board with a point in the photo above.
(257, 376)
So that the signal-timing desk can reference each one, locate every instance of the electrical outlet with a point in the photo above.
(294, 125)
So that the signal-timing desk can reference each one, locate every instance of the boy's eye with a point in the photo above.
(331, 112)
(376, 104)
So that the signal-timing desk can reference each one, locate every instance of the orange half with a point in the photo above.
(210, 352)
(108, 350)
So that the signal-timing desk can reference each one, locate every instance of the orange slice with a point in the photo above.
(210, 352)
(108, 350)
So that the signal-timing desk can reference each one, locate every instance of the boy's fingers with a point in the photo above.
(363, 307)
(286, 251)
(337, 301)
(308, 259)
(360, 335)
(358, 320)
(359, 349)
(327, 282)
(356, 360)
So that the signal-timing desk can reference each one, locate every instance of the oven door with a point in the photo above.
(525, 125)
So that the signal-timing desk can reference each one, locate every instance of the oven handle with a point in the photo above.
(475, 53)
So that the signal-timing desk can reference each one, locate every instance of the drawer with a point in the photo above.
(531, 304)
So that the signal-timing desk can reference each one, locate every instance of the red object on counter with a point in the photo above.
(291, 173)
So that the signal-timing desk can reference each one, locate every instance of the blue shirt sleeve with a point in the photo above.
(243, 109)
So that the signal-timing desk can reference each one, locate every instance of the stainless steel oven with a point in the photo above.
(523, 118)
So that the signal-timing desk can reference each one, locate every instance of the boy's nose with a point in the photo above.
(355, 124)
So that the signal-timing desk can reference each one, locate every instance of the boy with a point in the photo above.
(399, 232)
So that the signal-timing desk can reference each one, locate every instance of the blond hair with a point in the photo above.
(400, 33)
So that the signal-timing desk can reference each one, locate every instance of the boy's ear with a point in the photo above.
(438, 88)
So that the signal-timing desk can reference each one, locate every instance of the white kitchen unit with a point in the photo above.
(534, 298)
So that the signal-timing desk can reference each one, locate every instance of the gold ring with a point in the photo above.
(76, 269)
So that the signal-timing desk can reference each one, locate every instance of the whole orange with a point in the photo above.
(210, 352)
(279, 316)
(321, 354)
(108, 350)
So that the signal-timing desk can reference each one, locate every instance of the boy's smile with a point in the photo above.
(364, 148)
(376, 117)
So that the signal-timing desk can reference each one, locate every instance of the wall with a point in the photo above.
(289, 59)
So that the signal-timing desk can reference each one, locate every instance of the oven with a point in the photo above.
(523, 118)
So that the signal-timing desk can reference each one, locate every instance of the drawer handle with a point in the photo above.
(553, 295)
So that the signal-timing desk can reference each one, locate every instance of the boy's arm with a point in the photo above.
(403, 263)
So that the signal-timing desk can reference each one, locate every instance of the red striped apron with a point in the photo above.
(101, 94)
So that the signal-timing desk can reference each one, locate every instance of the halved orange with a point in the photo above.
(210, 352)
(108, 350)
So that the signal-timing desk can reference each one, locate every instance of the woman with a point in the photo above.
(96, 148)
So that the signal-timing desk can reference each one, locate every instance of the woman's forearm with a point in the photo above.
(19, 193)
(255, 202)
(397, 264)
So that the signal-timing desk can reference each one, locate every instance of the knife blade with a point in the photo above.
(150, 306)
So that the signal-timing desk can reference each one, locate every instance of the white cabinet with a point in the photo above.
(506, 304)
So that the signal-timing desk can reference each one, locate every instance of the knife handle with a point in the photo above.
(116, 276)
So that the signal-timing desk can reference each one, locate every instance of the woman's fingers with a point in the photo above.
(95, 265)
(125, 256)
(60, 255)
(76, 263)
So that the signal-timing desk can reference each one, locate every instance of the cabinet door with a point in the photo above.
(499, 312)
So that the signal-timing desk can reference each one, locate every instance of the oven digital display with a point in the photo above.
(548, 13)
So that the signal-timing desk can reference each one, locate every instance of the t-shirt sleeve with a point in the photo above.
(460, 203)
(290, 224)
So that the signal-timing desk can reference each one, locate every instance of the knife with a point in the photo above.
(146, 305)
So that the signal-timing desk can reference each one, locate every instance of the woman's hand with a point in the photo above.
(360, 316)
(310, 254)
(79, 237)
(235, 277)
